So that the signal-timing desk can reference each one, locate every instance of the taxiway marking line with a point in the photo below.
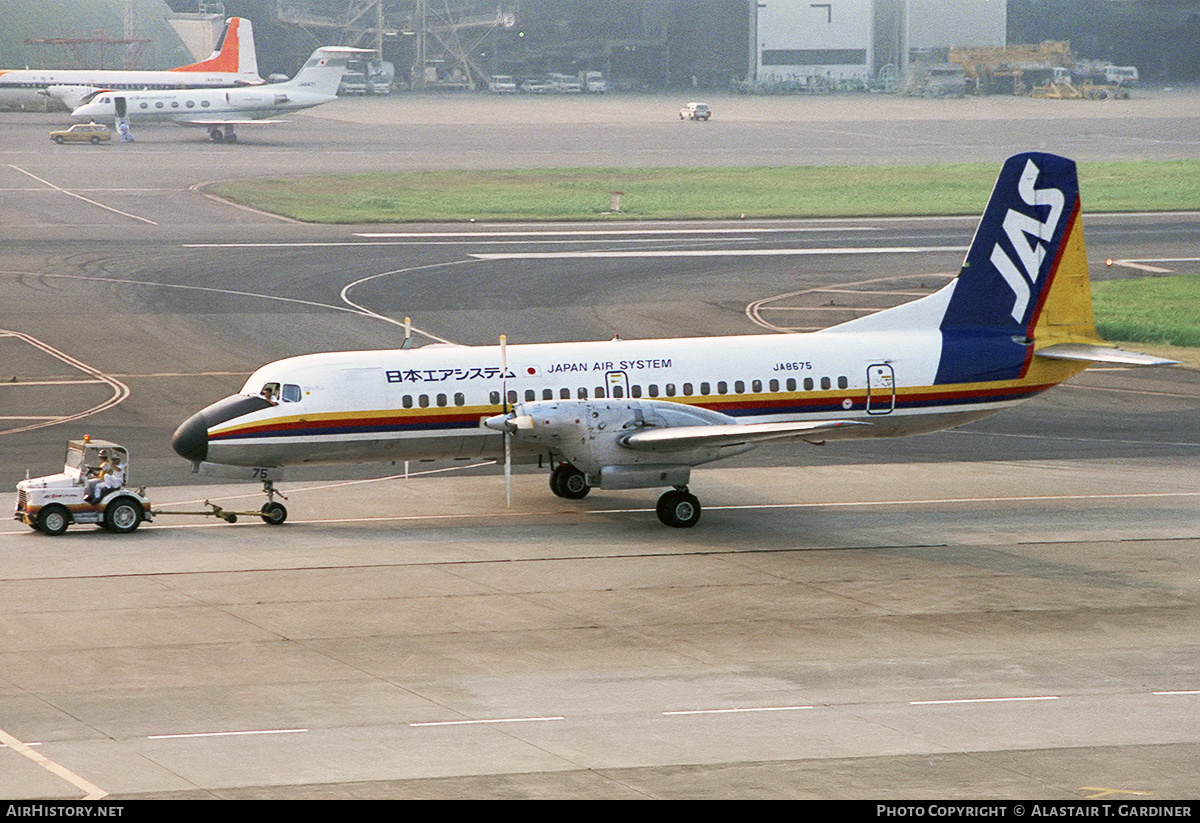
(224, 734)
(940, 500)
(81, 197)
(501, 513)
(301, 244)
(982, 700)
(790, 252)
(739, 711)
(119, 389)
(604, 232)
(92, 791)
(487, 722)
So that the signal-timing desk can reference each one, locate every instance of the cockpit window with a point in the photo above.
(270, 391)
(291, 393)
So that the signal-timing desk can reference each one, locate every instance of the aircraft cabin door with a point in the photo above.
(119, 104)
(617, 383)
(881, 388)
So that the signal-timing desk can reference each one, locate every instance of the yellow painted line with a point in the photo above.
(91, 790)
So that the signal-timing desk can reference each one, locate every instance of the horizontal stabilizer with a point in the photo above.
(1109, 355)
(678, 438)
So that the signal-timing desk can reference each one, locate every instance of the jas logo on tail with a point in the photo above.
(1020, 228)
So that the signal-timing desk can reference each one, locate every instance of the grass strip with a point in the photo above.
(1151, 310)
(682, 193)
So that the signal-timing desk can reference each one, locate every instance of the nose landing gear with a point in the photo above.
(273, 513)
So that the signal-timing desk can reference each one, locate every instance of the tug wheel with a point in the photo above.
(123, 515)
(53, 520)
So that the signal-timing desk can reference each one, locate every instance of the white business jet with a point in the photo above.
(639, 414)
(220, 110)
(233, 63)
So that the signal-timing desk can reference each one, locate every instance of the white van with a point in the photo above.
(1121, 75)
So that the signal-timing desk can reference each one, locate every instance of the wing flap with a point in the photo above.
(680, 438)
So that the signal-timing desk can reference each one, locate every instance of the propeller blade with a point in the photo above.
(507, 431)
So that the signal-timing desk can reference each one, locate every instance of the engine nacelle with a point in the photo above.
(590, 433)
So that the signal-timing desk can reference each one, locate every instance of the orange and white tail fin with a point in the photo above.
(235, 54)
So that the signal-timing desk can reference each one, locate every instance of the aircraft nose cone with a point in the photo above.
(190, 440)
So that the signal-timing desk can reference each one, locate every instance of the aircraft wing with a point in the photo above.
(680, 438)
(1110, 355)
(212, 121)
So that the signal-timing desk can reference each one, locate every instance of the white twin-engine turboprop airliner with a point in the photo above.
(219, 110)
(638, 414)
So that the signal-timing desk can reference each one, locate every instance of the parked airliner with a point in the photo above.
(234, 63)
(639, 414)
(220, 110)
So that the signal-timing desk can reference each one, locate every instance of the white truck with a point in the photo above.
(50, 504)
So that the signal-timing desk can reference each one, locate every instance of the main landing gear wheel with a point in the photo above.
(123, 515)
(274, 513)
(569, 482)
(216, 136)
(679, 509)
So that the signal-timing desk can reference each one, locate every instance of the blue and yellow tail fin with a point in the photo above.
(1024, 289)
